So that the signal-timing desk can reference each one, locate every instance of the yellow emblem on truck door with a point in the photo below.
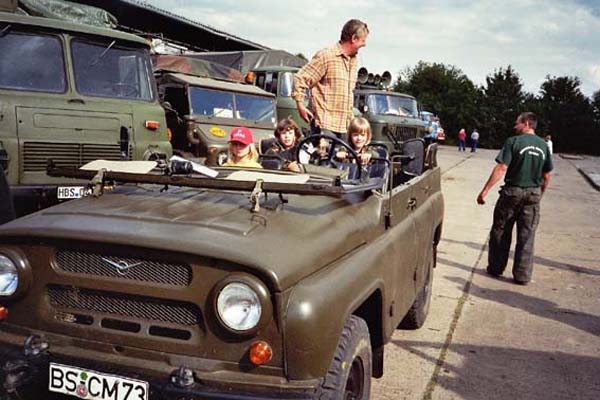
(216, 131)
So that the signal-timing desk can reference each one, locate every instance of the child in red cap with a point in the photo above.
(241, 151)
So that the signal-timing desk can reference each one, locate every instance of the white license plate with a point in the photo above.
(72, 192)
(92, 385)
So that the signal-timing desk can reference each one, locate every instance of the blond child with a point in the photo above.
(359, 137)
(241, 149)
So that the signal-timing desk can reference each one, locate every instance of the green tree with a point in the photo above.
(503, 100)
(444, 90)
(569, 116)
(596, 105)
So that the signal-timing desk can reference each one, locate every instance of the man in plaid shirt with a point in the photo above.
(331, 76)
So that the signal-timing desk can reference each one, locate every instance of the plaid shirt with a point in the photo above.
(331, 76)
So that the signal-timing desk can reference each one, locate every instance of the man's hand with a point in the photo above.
(481, 198)
(304, 112)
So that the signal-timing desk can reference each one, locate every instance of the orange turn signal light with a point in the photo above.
(152, 125)
(250, 77)
(260, 353)
(3, 313)
(169, 134)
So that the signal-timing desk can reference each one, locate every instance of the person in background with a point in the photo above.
(526, 161)
(474, 139)
(331, 77)
(549, 143)
(462, 137)
(7, 209)
(432, 134)
(242, 151)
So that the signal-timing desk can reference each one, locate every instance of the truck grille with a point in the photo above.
(136, 269)
(68, 298)
(36, 154)
(400, 133)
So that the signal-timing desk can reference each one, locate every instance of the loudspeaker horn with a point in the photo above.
(370, 78)
(386, 78)
(377, 79)
(363, 75)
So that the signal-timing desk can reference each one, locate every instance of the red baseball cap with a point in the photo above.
(242, 135)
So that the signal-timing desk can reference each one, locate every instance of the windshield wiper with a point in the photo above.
(5, 30)
(97, 59)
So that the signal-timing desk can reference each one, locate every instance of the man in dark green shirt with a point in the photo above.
(526, 161)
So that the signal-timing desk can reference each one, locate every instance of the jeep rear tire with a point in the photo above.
(349, 375)
(417, 314)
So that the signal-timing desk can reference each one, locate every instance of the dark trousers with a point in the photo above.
(521, 206)
(316, 130)
(473, 146)
(461, 144)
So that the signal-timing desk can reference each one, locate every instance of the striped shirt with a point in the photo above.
(331, 76)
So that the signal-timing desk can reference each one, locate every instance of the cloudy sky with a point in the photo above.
(538, 38)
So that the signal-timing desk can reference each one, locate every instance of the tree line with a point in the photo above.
(563, 110)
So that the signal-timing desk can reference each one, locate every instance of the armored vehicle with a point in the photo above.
(74, 93)
(252, 284)
(393, 116)
(204, 101)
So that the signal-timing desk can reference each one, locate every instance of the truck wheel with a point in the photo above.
(349, 375)
(416, 316)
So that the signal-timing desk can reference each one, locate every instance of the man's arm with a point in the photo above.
(495, 176)
(546, 176)
(305, 79)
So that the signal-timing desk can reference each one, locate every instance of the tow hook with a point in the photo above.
(183, 377)
(34, 345)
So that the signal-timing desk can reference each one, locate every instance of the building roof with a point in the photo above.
(145, 19)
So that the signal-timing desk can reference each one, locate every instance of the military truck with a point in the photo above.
(252, 284)
(394, 117)
(204, 101)
(72, 93)
(280, 81)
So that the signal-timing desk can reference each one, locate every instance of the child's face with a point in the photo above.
(287, 138)
(239, 150)
(358, 139)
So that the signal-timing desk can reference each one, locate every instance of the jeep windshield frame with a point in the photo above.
(112, 70)
(316, 185)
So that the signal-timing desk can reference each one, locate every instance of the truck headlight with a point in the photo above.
(239, 306)
(9, 276)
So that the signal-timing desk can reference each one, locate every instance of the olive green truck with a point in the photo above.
(73, 94)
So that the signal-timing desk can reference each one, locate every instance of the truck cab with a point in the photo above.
(72, 93)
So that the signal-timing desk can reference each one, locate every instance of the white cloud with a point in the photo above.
(553, 38)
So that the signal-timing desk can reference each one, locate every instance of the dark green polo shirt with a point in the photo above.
(527, 157)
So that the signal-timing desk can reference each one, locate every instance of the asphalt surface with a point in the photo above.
(487, 338)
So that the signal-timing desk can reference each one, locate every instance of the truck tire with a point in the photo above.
(417, 314)
(349, 375)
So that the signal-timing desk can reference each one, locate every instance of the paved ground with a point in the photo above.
(487, 338)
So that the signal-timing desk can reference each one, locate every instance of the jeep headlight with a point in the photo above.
(9, 276)
(239, 306)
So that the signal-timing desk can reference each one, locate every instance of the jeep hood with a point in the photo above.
(282, 243)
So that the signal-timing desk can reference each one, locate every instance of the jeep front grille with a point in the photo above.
(137, 269)
(36, 154)
(400, 133)
(71, 299)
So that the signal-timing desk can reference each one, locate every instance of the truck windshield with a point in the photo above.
(392, 105)
(106, 71)
(255, 108)
(32, 63)
(215, 103)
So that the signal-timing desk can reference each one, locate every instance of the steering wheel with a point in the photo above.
(310, 144)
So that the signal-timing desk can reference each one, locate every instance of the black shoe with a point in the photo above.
(493, 273)
(522, 283)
